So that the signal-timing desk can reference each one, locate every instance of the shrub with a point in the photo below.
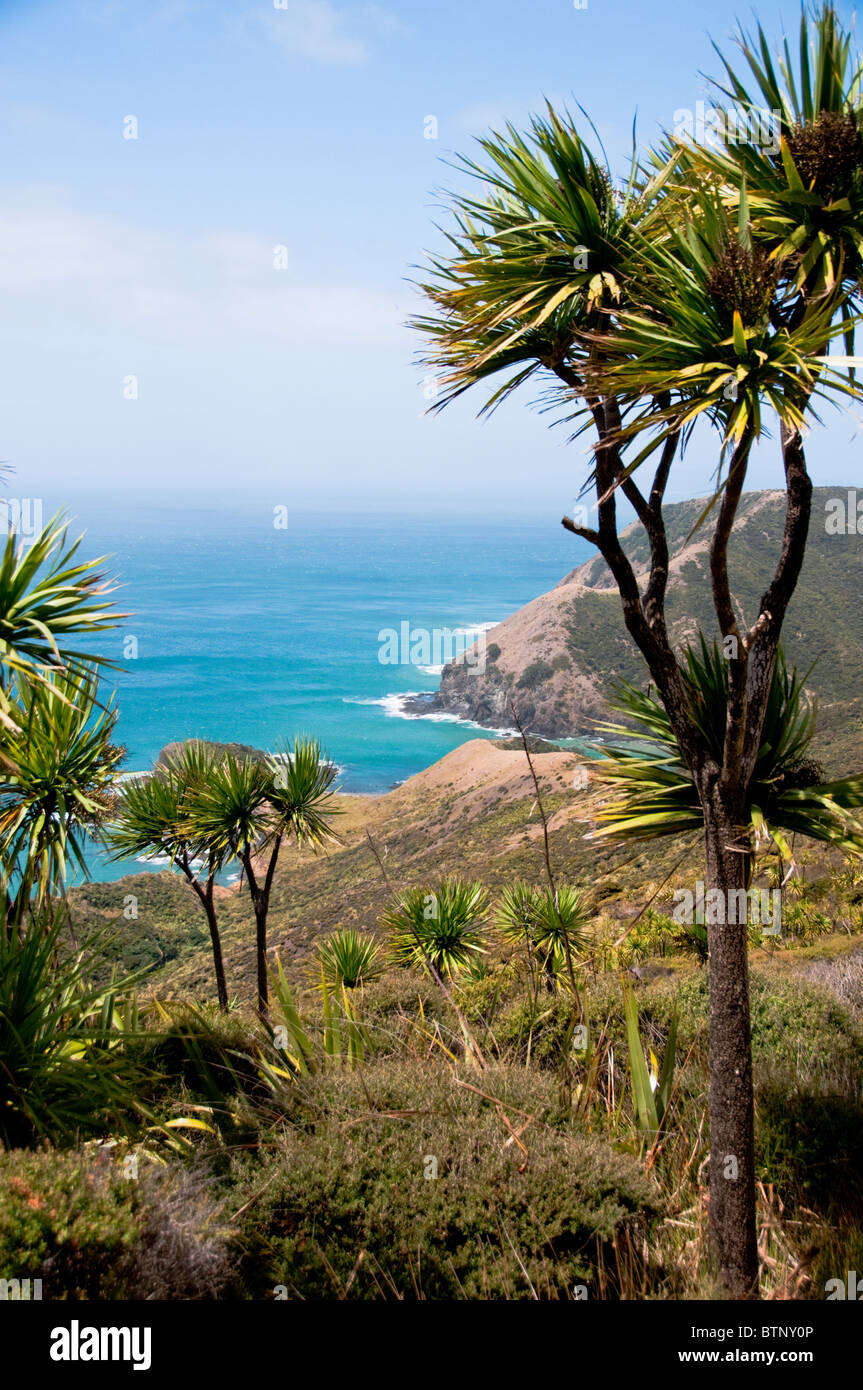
(810, 1143)
(536, 674)
(67, 1221)
(72, 1220)
(351, 1205)
(541, 1030)
(799, 1028)
(842, 977)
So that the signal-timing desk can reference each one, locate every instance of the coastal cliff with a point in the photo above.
(556, 659)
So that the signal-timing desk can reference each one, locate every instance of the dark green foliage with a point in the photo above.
(542, 1029)
(75, 1222)
(67, 1069)
(67, 1219)
(350, 1178)
(535, 675)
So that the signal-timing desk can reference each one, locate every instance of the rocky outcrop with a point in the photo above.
(239, 750)
(556, 660)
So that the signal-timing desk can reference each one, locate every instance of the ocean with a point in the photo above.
(245, 629)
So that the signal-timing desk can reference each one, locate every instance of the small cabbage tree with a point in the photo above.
(439, 929)
(155, 817)
(653, 794)
(349, 959)
(247, 808)
(48, 597)
(545, 922)
(56, 786)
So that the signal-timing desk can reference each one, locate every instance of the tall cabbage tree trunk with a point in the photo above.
(204, 893)
(731, 1102)
(216, 942)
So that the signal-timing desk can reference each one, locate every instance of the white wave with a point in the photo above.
(164, 861)
(475, 628)
(393, 707)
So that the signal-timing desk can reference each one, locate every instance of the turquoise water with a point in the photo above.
(249, 633)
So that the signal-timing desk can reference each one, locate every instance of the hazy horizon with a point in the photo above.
(242, 266)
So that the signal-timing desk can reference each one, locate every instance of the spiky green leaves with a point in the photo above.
(534, 259)
(47, 597)
(299, 791)
(653, 794)
(63, 1074)
(715, 282)
(441, 927)
(215, 805)
(56, 788)
(543, 921)
(349, 959)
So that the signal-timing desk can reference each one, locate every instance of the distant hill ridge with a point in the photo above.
(556, 658)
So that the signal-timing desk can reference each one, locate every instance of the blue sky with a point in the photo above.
(301, 127)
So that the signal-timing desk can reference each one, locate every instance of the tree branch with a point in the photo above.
(736, 710)
(763, 639)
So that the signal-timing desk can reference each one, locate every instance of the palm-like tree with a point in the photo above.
(47, 597)
(440, 929)
(653, 794)
(710, 288)
(247, 808)
(154, 818)
(808, 199)
(544, 921)
(57, 787)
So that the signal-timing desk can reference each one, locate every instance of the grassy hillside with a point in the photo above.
(474, 814)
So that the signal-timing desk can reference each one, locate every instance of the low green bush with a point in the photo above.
(535, 675)
(73, 1220)
(66, 1220)
(398, 1182)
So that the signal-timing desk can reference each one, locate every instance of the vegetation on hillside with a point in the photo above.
(457, 1051)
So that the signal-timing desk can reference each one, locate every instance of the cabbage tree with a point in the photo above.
(707, 288)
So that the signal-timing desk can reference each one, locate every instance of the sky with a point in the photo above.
(211, 214)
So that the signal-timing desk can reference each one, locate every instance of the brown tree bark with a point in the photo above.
(733, 1236)
(260, 895)
(722, 788)
(216, 941)
(205, 897)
